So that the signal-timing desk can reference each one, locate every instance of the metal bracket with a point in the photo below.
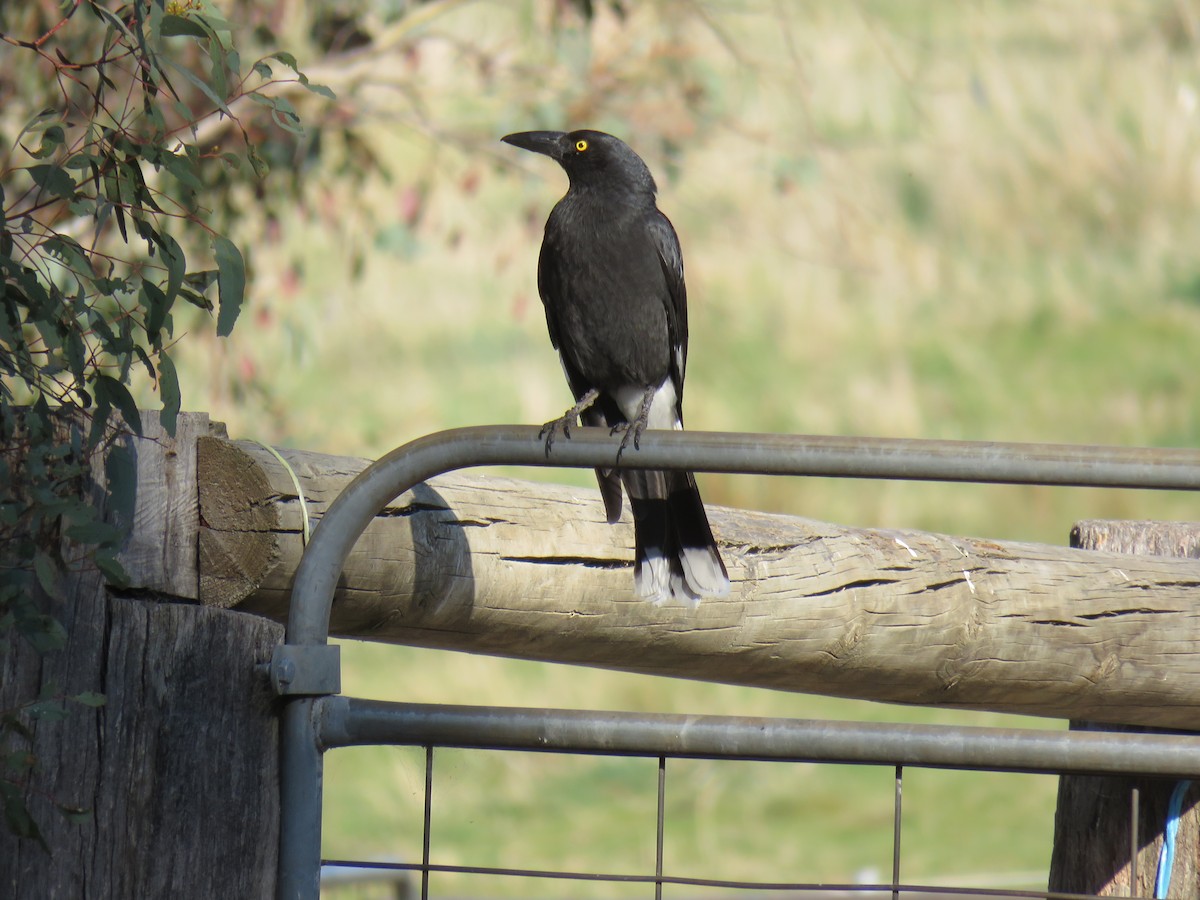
(306, 669)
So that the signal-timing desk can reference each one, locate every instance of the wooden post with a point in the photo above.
(178, 769)
(1093, 823)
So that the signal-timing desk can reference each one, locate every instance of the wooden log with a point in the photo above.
(497, 566)
(1092, 823)
(177, 772)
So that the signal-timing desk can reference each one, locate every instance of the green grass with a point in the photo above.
(968, 221)
(724, 819)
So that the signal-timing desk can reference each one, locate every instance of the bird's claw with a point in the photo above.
(631, 432)
(635, 428)
(569, 419)
(550, 428)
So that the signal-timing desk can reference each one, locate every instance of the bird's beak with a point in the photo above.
(548, 143)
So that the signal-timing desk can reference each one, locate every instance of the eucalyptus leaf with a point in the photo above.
(95, 533)
(76, 815)
(120, 472)
(47, 574)
(168, 389)
(53, 179)
(176, 263)
(118, 397)
(231, 283)
(16, 814)
(319, 89)
(181, 26)
(111, 568)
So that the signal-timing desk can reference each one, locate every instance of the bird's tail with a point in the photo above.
(675, 554)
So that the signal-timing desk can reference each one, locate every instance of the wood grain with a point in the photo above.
(512, 568)
(160, 553)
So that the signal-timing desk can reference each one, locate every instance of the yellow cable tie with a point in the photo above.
(295, 483)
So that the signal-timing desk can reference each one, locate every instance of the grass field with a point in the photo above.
(731, 820)
(920, 220)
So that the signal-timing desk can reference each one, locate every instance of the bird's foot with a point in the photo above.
(633, 430)
(550, 429)
(567, 420)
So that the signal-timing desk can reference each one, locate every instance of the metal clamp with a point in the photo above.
(306, 669)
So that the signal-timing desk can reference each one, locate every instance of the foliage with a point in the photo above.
(18, 762)
(134, 144)
(107, 160)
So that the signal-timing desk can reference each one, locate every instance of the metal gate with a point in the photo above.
(305, 670)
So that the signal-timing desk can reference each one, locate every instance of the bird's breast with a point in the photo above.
(608, 298)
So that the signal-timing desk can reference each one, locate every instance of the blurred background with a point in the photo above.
(970, 220)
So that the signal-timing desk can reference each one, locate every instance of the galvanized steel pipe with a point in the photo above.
(350, 721)
(852, 457)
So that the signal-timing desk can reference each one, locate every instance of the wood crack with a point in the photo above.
(854, 585)
(1114, 613)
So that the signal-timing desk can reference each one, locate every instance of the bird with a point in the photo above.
(610, 276)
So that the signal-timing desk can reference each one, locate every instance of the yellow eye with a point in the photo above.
(581, 145)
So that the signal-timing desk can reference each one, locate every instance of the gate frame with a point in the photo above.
(305, 671)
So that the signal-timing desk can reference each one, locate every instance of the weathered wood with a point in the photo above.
(1094, 815)
(160, 553)
(498, 566)
(1173, 539)
(178, 769)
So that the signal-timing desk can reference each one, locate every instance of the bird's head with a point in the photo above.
(590, 158)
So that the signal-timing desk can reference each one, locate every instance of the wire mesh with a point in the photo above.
(661, 877)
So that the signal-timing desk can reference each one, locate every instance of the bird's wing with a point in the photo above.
(666, 243)
(549, 280)
(552, 289)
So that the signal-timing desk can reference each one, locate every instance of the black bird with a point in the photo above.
(610, 275)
